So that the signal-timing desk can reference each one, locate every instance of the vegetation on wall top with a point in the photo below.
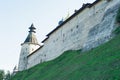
(117, 30)
(118, 16)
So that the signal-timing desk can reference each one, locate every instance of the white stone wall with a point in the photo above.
(23, 59)
(88, 29)
(26, 49)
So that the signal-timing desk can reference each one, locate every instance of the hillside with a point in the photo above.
(101, 63)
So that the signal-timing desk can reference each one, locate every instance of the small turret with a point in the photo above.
(29, 46)
(31, 38)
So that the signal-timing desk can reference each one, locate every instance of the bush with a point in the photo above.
(118, 16)
(117, 30)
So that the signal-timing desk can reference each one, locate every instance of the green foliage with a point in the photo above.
(2, 74)
(101, 63)
(118, 16)
(117, 30)
(8, 75)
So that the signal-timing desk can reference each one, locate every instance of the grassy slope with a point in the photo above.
(101, 63)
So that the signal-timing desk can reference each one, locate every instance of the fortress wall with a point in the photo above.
(101, 32)
(88, 29)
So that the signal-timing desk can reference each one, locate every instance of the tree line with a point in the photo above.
(5, 76)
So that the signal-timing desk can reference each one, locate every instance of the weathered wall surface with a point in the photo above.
(90, 28)
(27, 48)
(101, 32)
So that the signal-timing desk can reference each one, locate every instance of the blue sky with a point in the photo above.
(17, 15)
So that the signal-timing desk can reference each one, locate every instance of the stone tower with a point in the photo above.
(29, 46)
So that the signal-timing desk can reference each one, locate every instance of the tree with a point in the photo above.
(2, 74)
(8, 75)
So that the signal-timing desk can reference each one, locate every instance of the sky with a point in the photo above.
(16, 16)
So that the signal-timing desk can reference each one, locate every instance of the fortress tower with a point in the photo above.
(29, 46)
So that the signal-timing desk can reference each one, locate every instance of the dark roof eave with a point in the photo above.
(45, 39)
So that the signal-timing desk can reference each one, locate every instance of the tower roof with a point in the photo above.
(32, 28)
(31, 38)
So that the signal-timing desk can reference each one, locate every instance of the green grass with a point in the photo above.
(101, 63)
